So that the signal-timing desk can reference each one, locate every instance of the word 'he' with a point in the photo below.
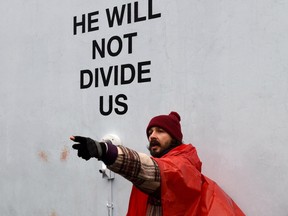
(131, 11)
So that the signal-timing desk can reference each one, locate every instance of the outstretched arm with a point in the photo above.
(136, 167)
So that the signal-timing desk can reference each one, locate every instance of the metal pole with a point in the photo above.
(110, 201)
(109, 175)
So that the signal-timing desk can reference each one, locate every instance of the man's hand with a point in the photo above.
(87, 147)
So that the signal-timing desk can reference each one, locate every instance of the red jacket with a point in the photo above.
(184, 190)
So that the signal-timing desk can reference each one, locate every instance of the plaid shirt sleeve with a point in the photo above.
(138, 168)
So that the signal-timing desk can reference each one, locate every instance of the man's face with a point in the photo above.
(159, 141)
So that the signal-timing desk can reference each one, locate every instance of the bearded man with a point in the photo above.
(167, 183)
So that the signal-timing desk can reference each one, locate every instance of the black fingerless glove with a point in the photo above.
(88, 147)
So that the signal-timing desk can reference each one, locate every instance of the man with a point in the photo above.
(168, 183)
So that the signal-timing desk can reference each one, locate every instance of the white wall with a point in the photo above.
(221, 64)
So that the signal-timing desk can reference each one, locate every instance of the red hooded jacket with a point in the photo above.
(184, 190)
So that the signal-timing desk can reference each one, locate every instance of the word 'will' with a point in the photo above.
(127, 13)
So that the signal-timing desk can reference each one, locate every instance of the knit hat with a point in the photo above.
(170, 123)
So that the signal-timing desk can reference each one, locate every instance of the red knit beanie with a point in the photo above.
(170, 123)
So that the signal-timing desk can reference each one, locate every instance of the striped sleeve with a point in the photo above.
(138, 168)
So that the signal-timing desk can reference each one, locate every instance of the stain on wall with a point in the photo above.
(53, 213)
(64, 153)
(43, 156)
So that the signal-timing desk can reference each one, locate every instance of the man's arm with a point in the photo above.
(138, 168)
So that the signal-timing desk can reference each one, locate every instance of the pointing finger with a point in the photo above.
(79, 139)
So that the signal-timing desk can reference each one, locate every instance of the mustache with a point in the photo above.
(152, 144)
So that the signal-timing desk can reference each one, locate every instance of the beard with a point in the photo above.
(158, 154)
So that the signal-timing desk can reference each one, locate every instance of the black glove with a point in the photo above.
(88, 148)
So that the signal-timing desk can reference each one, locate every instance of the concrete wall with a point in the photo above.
(221, 64)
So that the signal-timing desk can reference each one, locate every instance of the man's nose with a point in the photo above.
(152, 135)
